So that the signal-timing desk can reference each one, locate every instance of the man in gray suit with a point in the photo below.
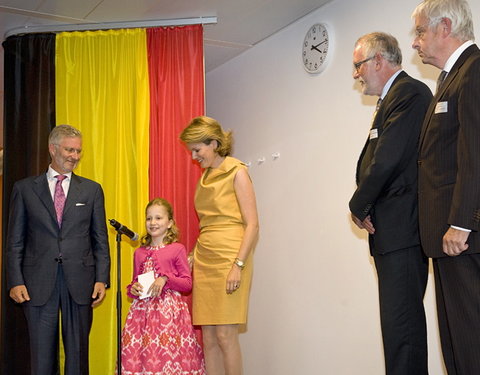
(58, 255)
(449, 177)
(385, 201)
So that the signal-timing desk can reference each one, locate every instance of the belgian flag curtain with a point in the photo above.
(130, 92)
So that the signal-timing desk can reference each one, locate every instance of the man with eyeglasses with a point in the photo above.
(58, 255)
(449, 177)
(385, 201)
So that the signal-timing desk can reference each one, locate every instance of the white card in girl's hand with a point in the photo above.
(146, 279)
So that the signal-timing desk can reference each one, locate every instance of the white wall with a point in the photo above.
(314, 306)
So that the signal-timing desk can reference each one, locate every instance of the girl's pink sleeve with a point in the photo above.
(179, 278)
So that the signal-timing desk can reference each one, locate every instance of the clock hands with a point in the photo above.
(314, 47)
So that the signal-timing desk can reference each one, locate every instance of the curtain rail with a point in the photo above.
(110, 25)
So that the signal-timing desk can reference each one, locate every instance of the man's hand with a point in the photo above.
(368, 225)
(365, 224)
(19, 294)
(455, 241)
(98, 293)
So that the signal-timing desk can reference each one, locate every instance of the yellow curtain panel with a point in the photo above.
(102, 88)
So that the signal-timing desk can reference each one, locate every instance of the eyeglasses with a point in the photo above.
(357, 65)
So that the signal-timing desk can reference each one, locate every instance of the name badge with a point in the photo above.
(373, 133)
(441, 107)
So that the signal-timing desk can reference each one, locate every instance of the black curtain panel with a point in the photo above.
(29, 115)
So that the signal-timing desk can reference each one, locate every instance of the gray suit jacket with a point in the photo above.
(34, 240)
(449, 158)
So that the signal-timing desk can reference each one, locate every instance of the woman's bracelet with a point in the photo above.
(240, 263)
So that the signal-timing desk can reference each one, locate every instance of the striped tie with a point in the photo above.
(379, 101)
(440, 79)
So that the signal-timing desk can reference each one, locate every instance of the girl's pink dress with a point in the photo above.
(158, 337)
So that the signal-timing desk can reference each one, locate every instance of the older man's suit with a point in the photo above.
(38, 251)
(449, 194)
(387, 191)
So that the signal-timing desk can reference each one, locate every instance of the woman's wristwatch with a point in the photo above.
(240, 263)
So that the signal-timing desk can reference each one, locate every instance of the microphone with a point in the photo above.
(122, 229)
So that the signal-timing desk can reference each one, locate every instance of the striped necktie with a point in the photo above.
(379, 102)
(440, 79)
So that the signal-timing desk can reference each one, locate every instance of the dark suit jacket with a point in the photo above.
(449, 157)
(34, 239)
(387, 167)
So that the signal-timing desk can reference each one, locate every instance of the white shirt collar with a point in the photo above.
(51, 173)
(455, 55)
(389, 83)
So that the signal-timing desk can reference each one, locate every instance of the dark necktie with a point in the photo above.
(379, 102)
(59, 198)
(440, 79)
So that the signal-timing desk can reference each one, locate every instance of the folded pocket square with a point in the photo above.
(79, 204)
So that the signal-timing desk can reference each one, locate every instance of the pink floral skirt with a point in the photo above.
(158, 338)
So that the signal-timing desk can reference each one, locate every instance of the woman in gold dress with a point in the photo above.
(222, 260)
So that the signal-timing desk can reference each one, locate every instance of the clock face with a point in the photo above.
(315, 48)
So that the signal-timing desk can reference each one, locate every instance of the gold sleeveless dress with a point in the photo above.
(221, 233)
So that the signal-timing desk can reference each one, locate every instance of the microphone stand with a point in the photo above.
(120, 230)
(119, 304)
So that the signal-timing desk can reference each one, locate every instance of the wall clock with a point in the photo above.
(315, 48)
